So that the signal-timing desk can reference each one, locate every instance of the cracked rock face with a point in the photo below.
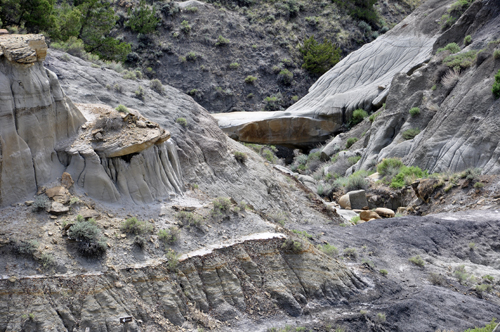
(361, 79)
(256, 278)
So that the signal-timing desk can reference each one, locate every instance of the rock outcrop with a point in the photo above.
(256, 277)
(360, 80)
(35, 117)
(43, 134)
(458, 124)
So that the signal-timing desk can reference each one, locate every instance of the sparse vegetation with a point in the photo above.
(240, 156)
(170, 235)
(182, 122)
(451, 47)
(221, 41)
(462, 60)
(285, 77)
(417, 260)
(142, 19)
(407, 175)
(355, 220)
(41, 203)
(329, 249)
(488, 328)
(250, 79)
(380, 317)
(467, 40)
(496, 85)
(134, 226)
(436, 279)
(410, 133)
(350, 142)
(292, 245)
(156, 85)
(122, 109)
(383, 272)
(350, 253)
(173, 259)
(140, 93)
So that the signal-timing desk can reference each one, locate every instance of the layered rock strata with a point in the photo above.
(360, 80)
(256, 277)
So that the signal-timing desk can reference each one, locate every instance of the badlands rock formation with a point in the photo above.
(40, 137)
(361, 80)
(458, 121)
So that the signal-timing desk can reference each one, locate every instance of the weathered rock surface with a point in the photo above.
(457, 123)
(355, 82)
(357, 199)
(254, 276)
(36, 117)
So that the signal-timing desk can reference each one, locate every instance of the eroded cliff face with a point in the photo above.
(254, 278)
(35, 117)
(43, 134)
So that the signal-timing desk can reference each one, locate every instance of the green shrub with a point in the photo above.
(156, 85)
(182, 122)
(496, 85)
(304, 234)
(189, 218)
(250, 79)
(173, 259)
(462, 60)
(471, 174)
(47, 260)
(478, 185)
(319, 57)
(329, 249)
(351, 253)
(410, 133)
(221, 204)
(142, 19)
(185, 27)
(25, 247)
(285, 76)
(414, 111)
(389, 168)
(122, 109)
(191, 9)
(380, 317)
(436, 279)
(373, 116)
(240, 156)
(118, 88)
(41, 203)
(452, 48)
(417, 260)
(133, 226)
(221, 41)
(353, 160)
(91, 241)
(129, 75)
(234, 65)
(140, 93)
(355, 220)
(496, 54)
(358, 116)
(461, 274)
(407, 175)
(170, 235)
(191, 56)
(383, 272)
(356, 182)
(350, 142)
(467, 40)
(292, 245)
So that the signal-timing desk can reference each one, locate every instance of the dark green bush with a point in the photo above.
(319, 57)
(358, 116)
(41, 203)
(451, 47)
(417, 260)
(285, 76)
(414, 111)
(25, 247)
(185, 27)
(250, 79)
(462, 60)
(142, 19)
(496, 85)
(91, 241)
(350, 142)
(292, 245)
(467, 40)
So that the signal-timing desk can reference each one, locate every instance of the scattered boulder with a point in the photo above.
(344, 202)
(368, 215)
(59, 194)
(87, 214)
(384, 212)
(57, 208)
(66, 180)
(357, 199)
